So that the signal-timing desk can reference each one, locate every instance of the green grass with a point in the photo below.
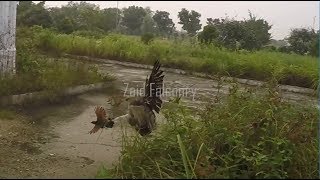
(7, 114)
(43, 73)
(50, 74)
(290, 69)
(246, 136)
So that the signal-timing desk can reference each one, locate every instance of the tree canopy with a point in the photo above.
(81, 17)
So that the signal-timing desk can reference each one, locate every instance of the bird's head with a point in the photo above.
(130, 99)
(93, 122)
(135, 100)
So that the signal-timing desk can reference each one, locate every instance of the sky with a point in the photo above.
(282, 15)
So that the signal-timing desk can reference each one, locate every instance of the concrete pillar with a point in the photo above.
(8, 11)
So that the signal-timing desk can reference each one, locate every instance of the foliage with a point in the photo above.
(110, 18)
(190, 21)
(260, 29)
(54, 75)
(250, 34)
(249, 135)
(147, 38)
(314, 51)
(270, 48)
(303, 40)
(90, 34)
(29, 14)
(284, 49)
(292, 69)
(76, 16)
(164, 23)
(79, 18)
(7, 114)
(208, 35)
(133, 18)
(148, 25)
(37, 73)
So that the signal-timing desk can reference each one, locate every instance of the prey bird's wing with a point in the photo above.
(95, 129)
(154, 88)
(100, 113)
(101, 119)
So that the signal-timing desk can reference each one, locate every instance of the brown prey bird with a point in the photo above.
(102, 120)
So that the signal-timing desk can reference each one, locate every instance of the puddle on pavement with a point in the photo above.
(65, 135)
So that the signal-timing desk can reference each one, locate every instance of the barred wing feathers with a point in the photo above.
(154, 88)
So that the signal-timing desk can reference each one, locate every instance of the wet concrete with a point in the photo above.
(53, 141)
(195, 90)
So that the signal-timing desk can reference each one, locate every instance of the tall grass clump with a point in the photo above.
(38, 73)
(51, 75)
(246, 136)
(291, 69)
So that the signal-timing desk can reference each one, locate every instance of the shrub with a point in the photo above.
(147, 38)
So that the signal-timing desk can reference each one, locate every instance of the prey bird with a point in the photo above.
(102, 120)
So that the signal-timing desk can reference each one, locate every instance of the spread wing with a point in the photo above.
(153, 88)
(95, 129)
(100, 113)
(101, 118)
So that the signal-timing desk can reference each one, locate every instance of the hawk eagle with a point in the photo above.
(141, 109)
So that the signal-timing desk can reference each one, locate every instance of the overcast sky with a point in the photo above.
(283, 15)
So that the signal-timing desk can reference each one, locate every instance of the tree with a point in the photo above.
(110, 18)
(190, 21)
(301, 40)
(29, 14)
(314, 51)
(77, 16)
(164, 23)
(88, 16)
(259, 29)
(249, 34)
(148, 25)
(249, 40)
(133, 18)
(208, 35)
(231, 32)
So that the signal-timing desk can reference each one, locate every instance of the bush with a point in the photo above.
(50, 75)
(284, 49)
(89, 34)
(147, 38)
(208, 35)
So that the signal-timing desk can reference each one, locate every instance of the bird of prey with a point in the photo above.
(102, 120)
(141, 115)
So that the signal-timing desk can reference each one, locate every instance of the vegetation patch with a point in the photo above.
(246, 136)
(289, 69)
(39, 73)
